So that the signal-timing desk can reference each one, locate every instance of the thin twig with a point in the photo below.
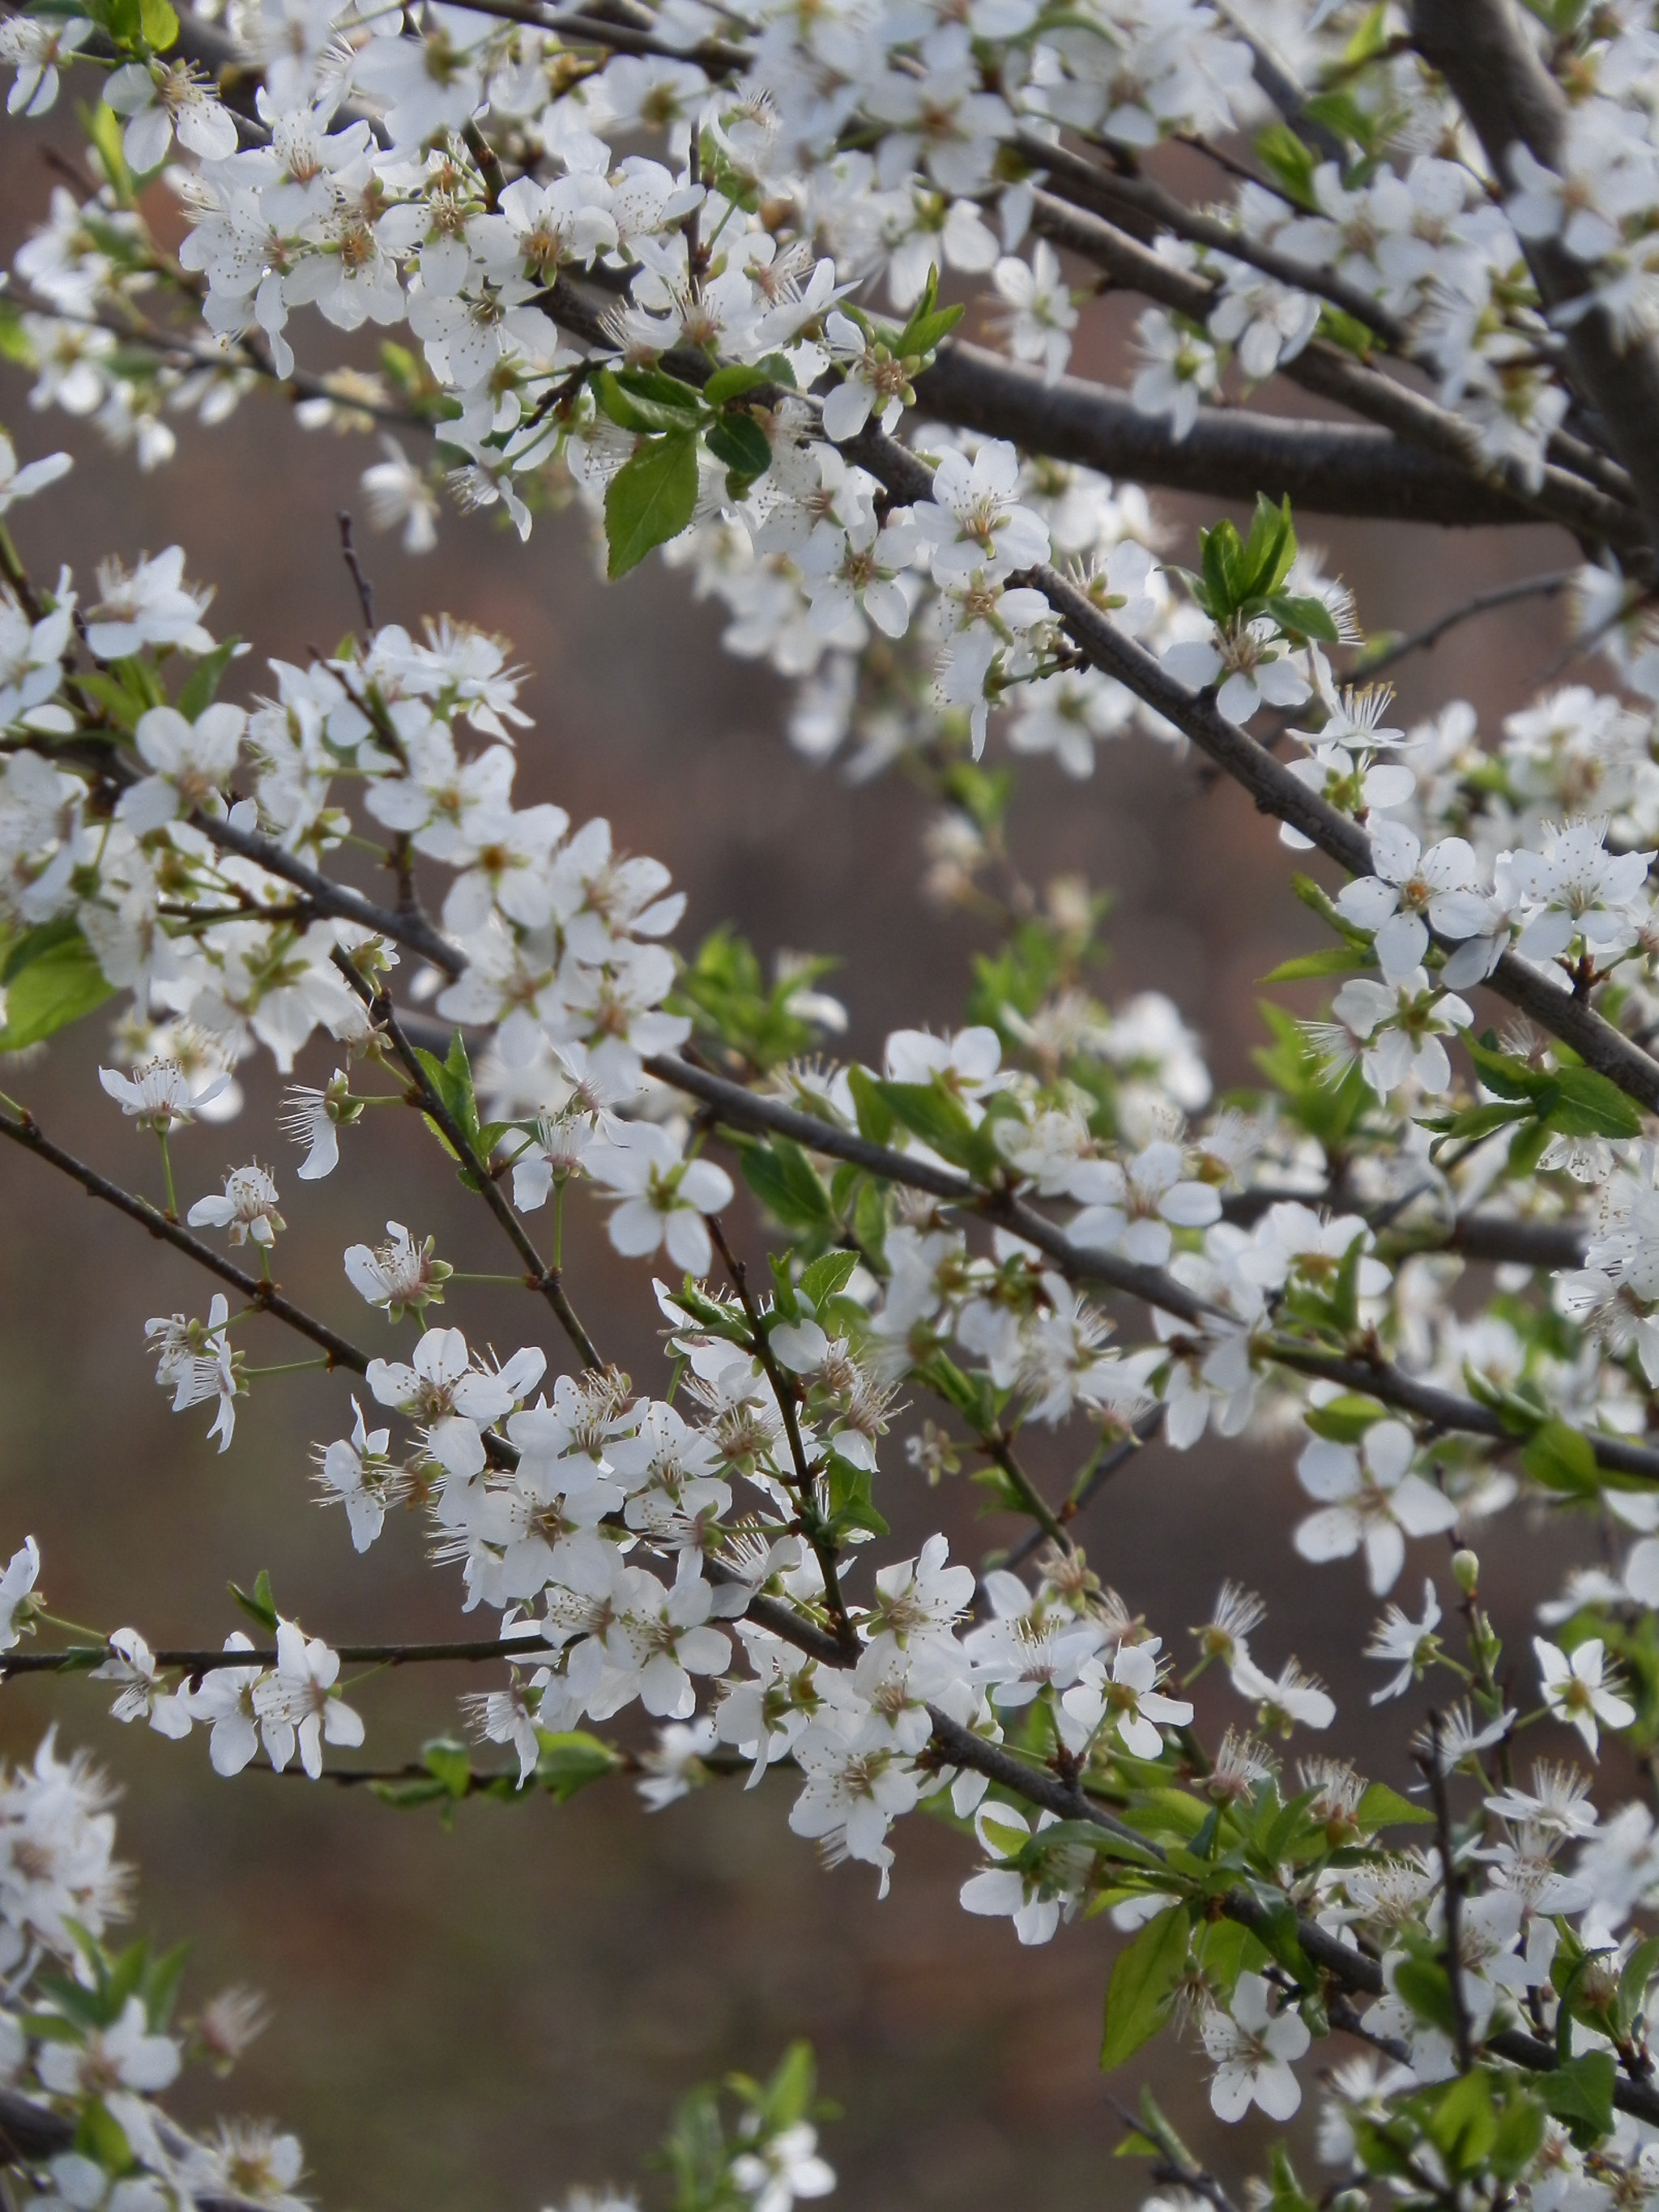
(783, 1390)
(266, 1297)
(1424, 640)
(538, 1275)
(365, 589)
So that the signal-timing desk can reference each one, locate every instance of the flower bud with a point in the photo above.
(1466, 1568)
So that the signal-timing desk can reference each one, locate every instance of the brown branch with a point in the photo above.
(1440, 1409)
(1322, 468)
(266, 1297)
(1443, 1410)
(1490, 67)
(1276, 792)
(744, 1109)
(80, 1658)
(1327, 369)
(349, 554)
(1371, 664)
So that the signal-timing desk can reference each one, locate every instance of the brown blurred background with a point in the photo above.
(482, 2018)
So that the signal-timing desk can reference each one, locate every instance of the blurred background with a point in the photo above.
(486, 2016)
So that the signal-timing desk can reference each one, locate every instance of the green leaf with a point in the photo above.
(1591, 1106)
(448, 1762)
(1424, 1985)
(737, 440)
(870, 1222)
(1269, 553)
(650, 499)
(257, 1603)
(876, 1116)
(852, 1505)
(923, 332)
(1277, 1930)
(1481, 1121)
(1344, 1420)
(100, 2136)
(1288, 2194)
(1633, 1982)
(1333, 960)
(827, 1277)
(159, 24)
(1520, 2133)
(1502, 1072)
(1142, 1985)
(103, 127)
(158, 1985)
(732, 382)
(202, 685)
(936, 1115)
(1302, 616)
(646, 399)
(1581, 2093)
(51, 978)
(1463, 2124)
(1382, 1808)
(569, 1761)
(787, 2098)
(787, 1184)
(1562, 1458)
(1291, 163)
(1225, 1950)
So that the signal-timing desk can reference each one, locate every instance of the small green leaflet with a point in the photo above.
(737, 440)
(1382, 1808)
(650, 499)
(257, 1603)
(51, 978)
(1143, 1986)
(1332, 960)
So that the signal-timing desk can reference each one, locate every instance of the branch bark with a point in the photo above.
(1483, 51)
(1322, 468)
(1276, 792)
(265, 1296)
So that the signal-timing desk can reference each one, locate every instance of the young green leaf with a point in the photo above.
(1142, 1988)
(650, 499)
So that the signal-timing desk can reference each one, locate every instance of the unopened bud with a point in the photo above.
(1467, 1570)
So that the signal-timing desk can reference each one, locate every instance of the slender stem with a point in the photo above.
(166, 1175)
(547, 1280)
(783, 1390)
(998, 1449)
(1547, 586)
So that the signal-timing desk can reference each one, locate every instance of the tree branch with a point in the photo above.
(1371, 664)
(1489, 64)
(266, 1297)
(1322, 468)
(1276, 792)
(80, 1658)
(1560, 495)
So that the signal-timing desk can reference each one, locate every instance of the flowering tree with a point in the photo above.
(729, 342)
